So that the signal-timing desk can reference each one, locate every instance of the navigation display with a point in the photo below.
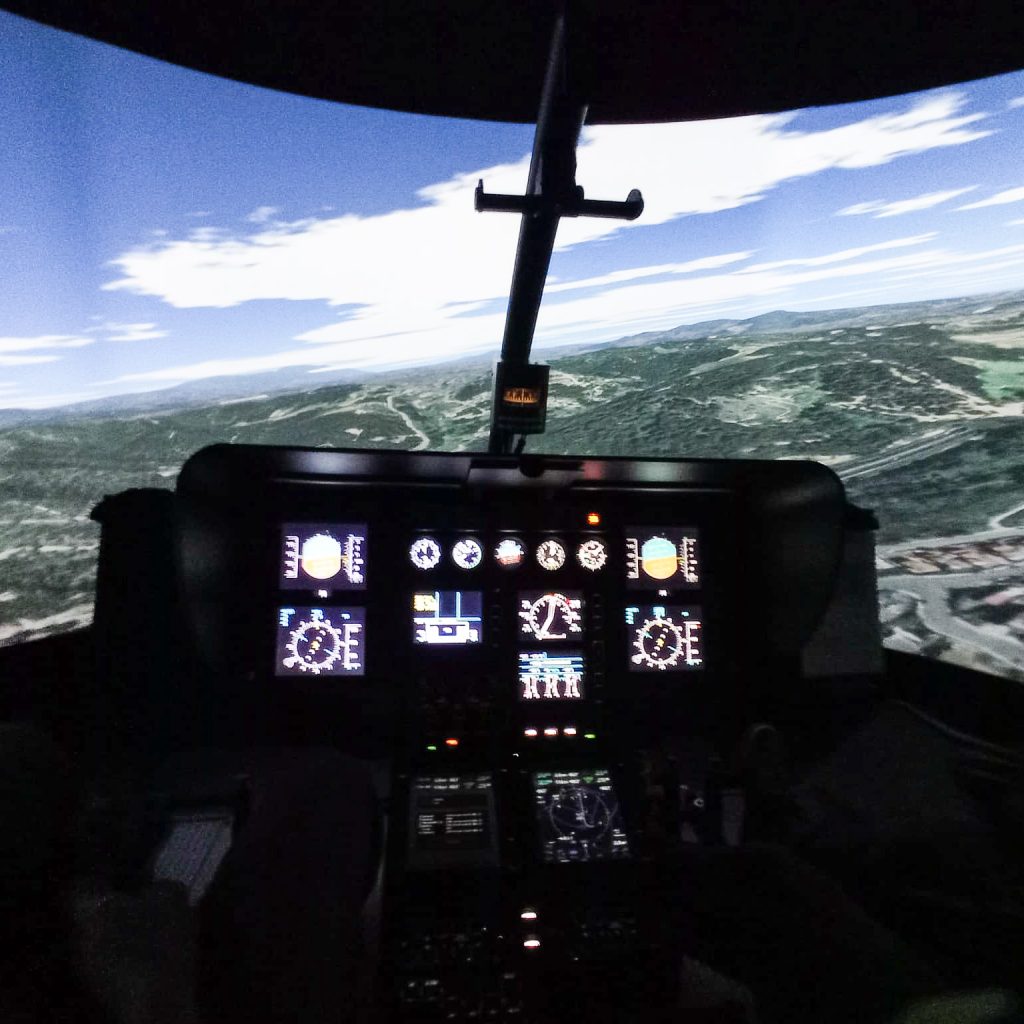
(329, 556)
(452, 821)
(664, 638)
(320, 641)
(547, 676)
(578, 817)
(447, 617)
(662, 557)
(546, 615)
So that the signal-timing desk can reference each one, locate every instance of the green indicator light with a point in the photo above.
(431, 746)
(590, 735)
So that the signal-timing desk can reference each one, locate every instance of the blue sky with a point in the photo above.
(159, 226)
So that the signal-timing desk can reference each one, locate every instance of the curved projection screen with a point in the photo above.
(190, 260)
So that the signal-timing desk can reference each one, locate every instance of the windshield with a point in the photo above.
(189, 260)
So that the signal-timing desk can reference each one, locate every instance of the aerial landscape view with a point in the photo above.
(839, 284)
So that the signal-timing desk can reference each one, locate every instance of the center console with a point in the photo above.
(549, 658)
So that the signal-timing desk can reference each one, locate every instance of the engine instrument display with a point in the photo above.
(425, 553)
(323, 555)
(452, 821)
(548, 616)
(592, 554)
(320, 641)
(447, 617)
(664, 638)
(578, 816)
(662, 557)
(549, 677)
(467, 553)
(551, 554)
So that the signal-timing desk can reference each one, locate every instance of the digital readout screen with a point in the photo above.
(452, 821)
(662, 557)
(664, 638)
(320, 641)
(578, 816)
(323, 556)
(447, 617)
(545, 676)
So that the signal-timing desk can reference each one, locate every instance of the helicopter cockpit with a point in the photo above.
(415, 736)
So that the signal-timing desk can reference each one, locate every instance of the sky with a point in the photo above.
(159, 226)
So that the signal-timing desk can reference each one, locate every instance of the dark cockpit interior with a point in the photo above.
(387, 736)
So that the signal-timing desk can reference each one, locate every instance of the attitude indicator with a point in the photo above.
(658, 557)
(318, 556)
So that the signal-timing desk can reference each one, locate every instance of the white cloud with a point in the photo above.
(1016, 103)
(411, 279)
(26, 360)
(1010, 195)
(263, 214)
(882, 208)
(664, 304)
(43, 341)
(843, 255)
(1014, 223)
(132, 332)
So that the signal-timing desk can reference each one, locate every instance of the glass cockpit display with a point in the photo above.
(664, 638)
(662, 557)
(320, 641)
(578, 816)
(544, 676)
(452, 821)
(447, 617)
(330, 556)
(547, 616)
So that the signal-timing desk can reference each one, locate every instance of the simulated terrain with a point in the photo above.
(919, 407)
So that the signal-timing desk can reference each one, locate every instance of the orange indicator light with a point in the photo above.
(451, 742)
(593, 519)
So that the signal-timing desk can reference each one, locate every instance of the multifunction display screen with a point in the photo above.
(447, 617)
(578, 817)
(547, 616)
(662, 557)
(329, 556)
(320, 641)
(544, 676)
(664, 638)
(452, 821)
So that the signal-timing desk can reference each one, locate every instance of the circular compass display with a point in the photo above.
(592, 554)
(659, 644)
(425, 553)
(467, 553)
(579, 812)
(551, 616)
(664, 638)
(510, 553)
(551, 554)
(314, 646)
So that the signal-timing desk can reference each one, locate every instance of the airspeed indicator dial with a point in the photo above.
(425, 553)
(592, 554)
(659, 644)
(551, 554)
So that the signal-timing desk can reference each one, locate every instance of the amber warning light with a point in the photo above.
(593, 519)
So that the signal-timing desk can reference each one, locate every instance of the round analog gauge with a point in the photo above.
(551, 554)
(313, 647)
(592, 554)
(579, 812)
(659, 644)
(510, 553)
(551, 617)
(467, 553)
(425, 553)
